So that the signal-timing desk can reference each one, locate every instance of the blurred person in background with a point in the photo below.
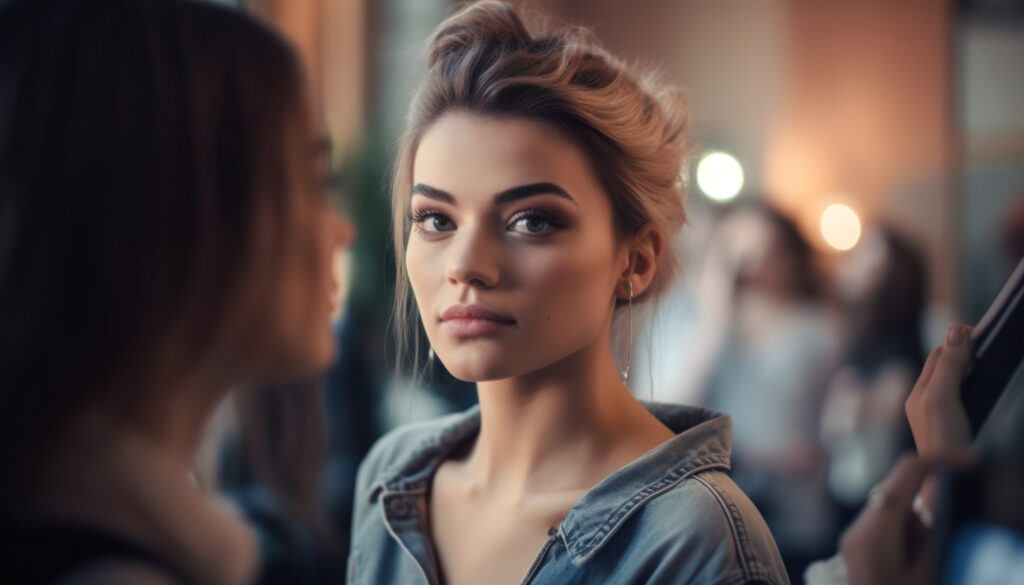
(536, 191)
(881, 284)
(769, 345)
(165, 236)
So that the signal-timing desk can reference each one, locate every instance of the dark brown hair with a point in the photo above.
(807, 283)
(142, 168)
(887, 324)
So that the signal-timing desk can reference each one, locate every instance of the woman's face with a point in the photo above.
(761, 259)
(863, 268)
(308, 286)
(512, 257)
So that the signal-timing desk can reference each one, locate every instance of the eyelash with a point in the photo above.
(421, 215)
(547, 217)
(417, 218)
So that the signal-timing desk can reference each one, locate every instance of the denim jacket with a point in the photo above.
(671, 516)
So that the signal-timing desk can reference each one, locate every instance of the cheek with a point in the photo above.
(306, 300)
(560, 294)
(425, 272)
(309, 268)
(322, 282)
(571, 292)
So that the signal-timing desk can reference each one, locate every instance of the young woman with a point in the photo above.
(769, 344)
(164, 236)
(882, 284)
(536, 192)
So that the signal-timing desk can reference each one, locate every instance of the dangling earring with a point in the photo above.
(629, 347)
(430, 355)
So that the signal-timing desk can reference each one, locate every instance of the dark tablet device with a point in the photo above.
(998, 349)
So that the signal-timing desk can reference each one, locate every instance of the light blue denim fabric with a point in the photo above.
(671, 516)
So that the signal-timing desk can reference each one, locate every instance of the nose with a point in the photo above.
(472, 258)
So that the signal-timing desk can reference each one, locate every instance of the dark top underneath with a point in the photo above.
(43, 555)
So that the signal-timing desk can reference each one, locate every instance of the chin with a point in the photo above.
(475, 374)
(323, 355)
(473, 361)
(476, 367)
(311, 360)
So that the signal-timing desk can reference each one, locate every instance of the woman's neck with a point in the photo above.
(133, 477)
(174, 425)
(560, 427)
(167, 419)
(165, 425)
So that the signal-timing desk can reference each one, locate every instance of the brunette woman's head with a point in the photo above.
(883, 283)
(772, 257)
(160, 206)
(490, 76)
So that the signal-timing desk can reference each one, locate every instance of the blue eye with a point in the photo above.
(432, 221)
(441, 223)
(534, 223)
(531, 225)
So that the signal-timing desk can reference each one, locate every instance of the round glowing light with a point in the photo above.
(719, 176)
(840, 227)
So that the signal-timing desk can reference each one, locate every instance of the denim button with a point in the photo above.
(399, 507)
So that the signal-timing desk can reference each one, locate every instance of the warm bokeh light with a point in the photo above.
(840, 226)
(719, 176)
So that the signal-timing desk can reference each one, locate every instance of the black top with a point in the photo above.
(42, 555)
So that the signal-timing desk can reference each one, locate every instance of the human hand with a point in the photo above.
(888, 543)
(934, 409)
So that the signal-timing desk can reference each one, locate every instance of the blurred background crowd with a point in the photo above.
(856, 184)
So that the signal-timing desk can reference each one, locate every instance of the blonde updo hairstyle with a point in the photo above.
(483, 60)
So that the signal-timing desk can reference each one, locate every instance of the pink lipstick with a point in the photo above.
(474, 321)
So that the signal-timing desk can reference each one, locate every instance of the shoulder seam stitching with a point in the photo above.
(732, 525)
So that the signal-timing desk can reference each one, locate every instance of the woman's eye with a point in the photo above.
(432, 222)
(441, 223)
(533, 224)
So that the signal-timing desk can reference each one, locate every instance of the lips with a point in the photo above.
(474, 321)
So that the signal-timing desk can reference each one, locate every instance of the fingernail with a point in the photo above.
(954, 335)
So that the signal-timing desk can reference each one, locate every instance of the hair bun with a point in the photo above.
(480, 23)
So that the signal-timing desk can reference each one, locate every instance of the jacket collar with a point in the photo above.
(702, 442)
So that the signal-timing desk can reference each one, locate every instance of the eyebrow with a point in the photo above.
(432, 193)
(506, 196)
(524, 191)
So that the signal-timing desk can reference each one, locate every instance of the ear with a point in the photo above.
(645, 251)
